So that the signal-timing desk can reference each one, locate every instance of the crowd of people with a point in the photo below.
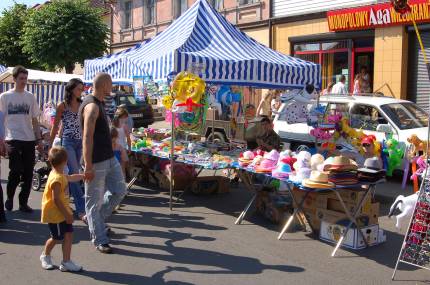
(361, 84)
(83, 154)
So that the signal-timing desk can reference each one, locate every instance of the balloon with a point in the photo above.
(187, 85)
(167, 101)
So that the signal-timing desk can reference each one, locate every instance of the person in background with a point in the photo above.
(328, 90)
(119, 152)
(275, 104)
(269, 139)
(120, 123)
(365, 80)
(130, 123)
(22, 130)
(263, 108)
(71, 138)
(357, 85)
(57, 213)
(340, 88)
(104, 182)
(2, 153)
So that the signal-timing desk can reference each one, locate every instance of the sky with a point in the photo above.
(7, 3)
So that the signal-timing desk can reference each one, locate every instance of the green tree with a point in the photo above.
(11, 29)
(65, 32)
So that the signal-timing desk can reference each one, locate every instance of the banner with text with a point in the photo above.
(376, 16)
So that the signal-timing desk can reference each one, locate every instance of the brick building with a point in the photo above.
(136, 20)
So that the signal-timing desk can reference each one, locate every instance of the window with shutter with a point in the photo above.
(128, 9)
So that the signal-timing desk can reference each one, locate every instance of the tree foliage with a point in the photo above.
(63, 33)
(11, 30)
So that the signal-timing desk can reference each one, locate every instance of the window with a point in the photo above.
(128, 9)
(246, 2)
(149, 17)
(366, 117)
(406, 115)
(179, 7)
(217, 4)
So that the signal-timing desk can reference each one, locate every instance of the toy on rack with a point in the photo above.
(395, 155)
(406, 206)
(421, 163)
(417, 146)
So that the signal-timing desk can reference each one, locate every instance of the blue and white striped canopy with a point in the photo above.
(204, 42)
(117, 65)
(2, 68)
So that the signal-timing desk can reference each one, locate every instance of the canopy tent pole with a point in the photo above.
(172, 151)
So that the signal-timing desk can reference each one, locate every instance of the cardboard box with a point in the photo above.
(179, 182)
(273, 206)
(313, 200)
(210, 185)
(332, 233)
(372, 212)
(339, 218)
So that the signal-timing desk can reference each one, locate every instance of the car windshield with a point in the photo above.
(406, 115)
(129, 100)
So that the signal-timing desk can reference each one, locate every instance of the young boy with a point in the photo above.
(56, 211)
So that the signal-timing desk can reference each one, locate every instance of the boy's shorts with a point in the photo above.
(58, 230)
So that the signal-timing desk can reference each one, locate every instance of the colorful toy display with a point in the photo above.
(395, 155)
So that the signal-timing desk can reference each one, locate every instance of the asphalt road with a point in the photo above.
(197, 243)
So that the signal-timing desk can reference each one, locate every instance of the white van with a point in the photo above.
(372, 114)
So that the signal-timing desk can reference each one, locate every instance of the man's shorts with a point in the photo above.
(58, 230)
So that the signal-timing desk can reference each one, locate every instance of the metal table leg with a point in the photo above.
(352, 217)
(296, 210)
(243, 214)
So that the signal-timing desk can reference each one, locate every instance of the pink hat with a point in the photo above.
(267, 165)
(272, 155)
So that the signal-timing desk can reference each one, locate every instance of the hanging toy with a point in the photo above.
(167, 101)
(189, 104)
(421, 163)
(401, 6)
(394, 155)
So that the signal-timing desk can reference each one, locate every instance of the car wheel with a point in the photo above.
(36, 183)
(217, 137)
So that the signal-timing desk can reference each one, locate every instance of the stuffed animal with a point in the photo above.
(406, 206)
(417, 145)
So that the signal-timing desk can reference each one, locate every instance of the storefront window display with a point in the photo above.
(337, 58)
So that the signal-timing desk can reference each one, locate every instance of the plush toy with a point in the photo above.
(395, 155)
(416, 146)
(406, 206)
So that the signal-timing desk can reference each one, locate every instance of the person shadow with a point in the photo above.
(225, 263)
(124, 278)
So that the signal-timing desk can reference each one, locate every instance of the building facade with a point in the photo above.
(137, 20)
(344, 36)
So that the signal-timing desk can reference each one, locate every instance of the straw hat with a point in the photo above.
(317, 180)
(342, 163)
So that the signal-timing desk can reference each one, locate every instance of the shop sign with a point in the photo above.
(375, 16)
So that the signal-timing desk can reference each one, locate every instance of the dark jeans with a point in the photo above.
(21, 164)
(1, 201)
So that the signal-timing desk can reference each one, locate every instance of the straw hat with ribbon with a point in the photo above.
(318, 180)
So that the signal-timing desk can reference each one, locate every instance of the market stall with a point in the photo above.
(48, 87)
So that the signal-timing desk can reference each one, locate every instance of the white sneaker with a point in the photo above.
(70, 266)
(46, 262)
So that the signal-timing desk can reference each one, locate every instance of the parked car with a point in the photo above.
(373, 114)
(140, 111)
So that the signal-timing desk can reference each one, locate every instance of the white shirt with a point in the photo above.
(19, 109)
(339, 88)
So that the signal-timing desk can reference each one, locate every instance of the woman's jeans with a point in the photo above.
(74, 154)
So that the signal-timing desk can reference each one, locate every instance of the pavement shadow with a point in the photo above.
(172, 220)
(225, 263)
(26, 229)
(124, 278)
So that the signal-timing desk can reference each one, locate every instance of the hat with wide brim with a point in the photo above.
(283, 170)
(318, 180)
(341, 163)
(266, 165)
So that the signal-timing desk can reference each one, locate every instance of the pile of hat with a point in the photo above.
(246, 158)
(284, 167)
(341, 170)
(372, 170)
(317, 180)
(268, 163)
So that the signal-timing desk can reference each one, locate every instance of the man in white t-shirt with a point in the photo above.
(340, 88)
(22, 132)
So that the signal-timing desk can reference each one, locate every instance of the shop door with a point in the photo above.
(418, 80)
(363, 59)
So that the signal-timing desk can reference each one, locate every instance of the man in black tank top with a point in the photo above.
(104, 182)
